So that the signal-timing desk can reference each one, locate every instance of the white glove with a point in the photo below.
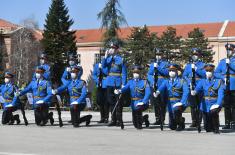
(54, 91)
(122, 86)
(40, 102)
(177, 104)
(9, 105)
(225, 81)
(193, 66)
(117, 91)
(193, 92)
(74, 102)
(17, 93)
(68, 69)
(227, 61)
(155, 65)
(155, 94)
(139, 104)
(100, 65)
(106, 53)
(214, 106)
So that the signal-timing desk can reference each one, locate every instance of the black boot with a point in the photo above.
(227, 126)
(12, 120)
(88, 119)
(181, 125)
(17, 119)
(158, 122)
(146, 120)
(112, 123)
(193, 125)
(50, 115)
(139, 121)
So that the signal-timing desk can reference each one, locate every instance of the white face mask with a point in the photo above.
(7, 80)
(71, 63)
(111, 51)
(194, 58)
(136, 75)
(172, 74)
(42, 61)
(230, 53)
(38, 75)
(158, 57)
(73, 75)
(209, 75)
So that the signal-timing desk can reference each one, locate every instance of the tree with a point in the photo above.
(58, 41)
(196, 39)
(30, 22)
(141, 43)
(111, 19)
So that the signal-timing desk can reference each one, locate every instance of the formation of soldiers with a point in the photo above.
(168, 87)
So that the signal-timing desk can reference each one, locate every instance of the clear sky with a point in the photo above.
(137, 12)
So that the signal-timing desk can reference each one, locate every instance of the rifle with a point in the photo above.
(227, 76)
(101, 73)
(193, 84)
(158, 99)
(115, 107)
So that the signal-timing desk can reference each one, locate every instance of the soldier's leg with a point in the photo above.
(139, 119)
(180, 121)
(119, 113)
(232, 109)
(172, 122)
(75, 117)
(193, 104)
(227, 111)
(134, 118)
(215, 120)
(44, 114)
(106, 107)
(156, 103)
(37, 116)
(17, 118)
(112, 101)
(99, 99)
(5, 117)
(86, 118)
(207, 122)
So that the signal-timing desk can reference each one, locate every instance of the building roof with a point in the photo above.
(7, 24)
(209, 29)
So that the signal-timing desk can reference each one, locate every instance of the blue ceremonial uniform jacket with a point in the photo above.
(96, 73)
(220, 71)
(177, 91)
(162, 71)
(117, 72)
(140, 92)
(77, 90)
(47, 73)
(7, 92)
(66, 77)
(200, 72)
(213, 93)
(41, 91)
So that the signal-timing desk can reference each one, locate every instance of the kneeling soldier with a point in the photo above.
(140, 95)
(41, 89)
(213, 94)
(10, 103)
(178, 91)
(77, 92)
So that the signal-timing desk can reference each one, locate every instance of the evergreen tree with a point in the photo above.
(196, 39)
(141, 43)
(111, 19)
(58, 41)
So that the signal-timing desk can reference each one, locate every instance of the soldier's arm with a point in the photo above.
(163, 86)
(163, 70)
(232, 65)
(147, 94)
(64, 76)
(185, 95)
(95, 74)
(126, 88)
(83, 94)
(27, 89)
(80, 72)
(63, 87)
(150, 75)
(49, 94)
(124, 73)
(186, 72)
(221, 92)
(200, 71)
(218, 73)
(199, 87)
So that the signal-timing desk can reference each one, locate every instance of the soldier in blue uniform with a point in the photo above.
(160, 67)
(226, 71)
(77, 92)
(195, 66)
(41, 89)
(140, 95)
(73, 61)
(44, 64)
(213, 94)
(99, 76)
(116, 78)
(10, 103)
(177, 95)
